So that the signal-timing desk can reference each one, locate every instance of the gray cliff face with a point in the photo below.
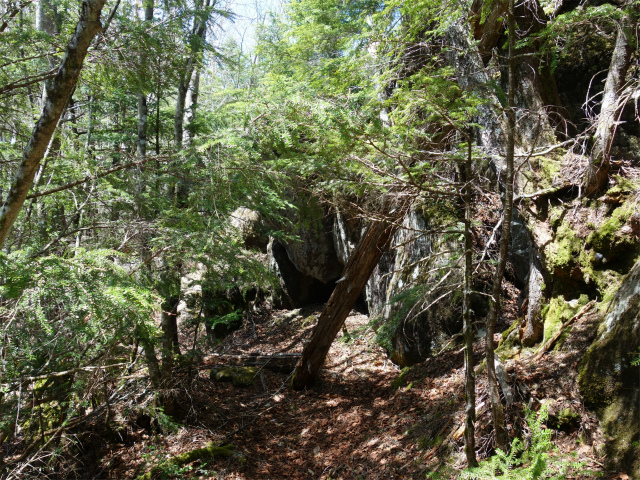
(610, 383)
(309, 265)
(314, 254)
(412, 293)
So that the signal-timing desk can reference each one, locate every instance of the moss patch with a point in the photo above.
(609, 382)
(568, 419)
(565, 247)
(558, 311)
(606, 239)
(623, 186)
(239, 376)
(211, 450)
(549, 171)
(400, 379)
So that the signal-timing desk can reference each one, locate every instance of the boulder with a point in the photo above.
(406, 281)
(610, 382)
(298, 288)
(190, 305)
(250, 227)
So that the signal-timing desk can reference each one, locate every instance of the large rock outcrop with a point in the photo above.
(411, 293)
(610, 383)
(307, 264)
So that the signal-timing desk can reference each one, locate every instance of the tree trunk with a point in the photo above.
(363, 260)
(192, 105)
(533, 328)
(198, 33)
(469, 374)
(158, 121)
(178, 119)
(600, 159)
(58, 92)
(169, 344)
(143, 114)
(143, 111)
(502, 440)
(152, 361)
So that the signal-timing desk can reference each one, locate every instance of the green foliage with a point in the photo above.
(177, 466)
(530, 460)
(230, 320)
(59, 312)
(636, 361)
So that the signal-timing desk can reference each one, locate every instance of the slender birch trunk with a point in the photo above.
(198, 33)
(58, 92)
(192, 105)
(143, 110)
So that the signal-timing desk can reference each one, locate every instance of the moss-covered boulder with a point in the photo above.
(239, 376)
(610, 383)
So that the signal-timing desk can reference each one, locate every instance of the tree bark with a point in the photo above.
(192, 105)
(502, 440)
(143, 110)
(143, 114)
(533, 327)
(58, 93)
(469, 374)
(600, 159)
(363, 260)
(198, 34)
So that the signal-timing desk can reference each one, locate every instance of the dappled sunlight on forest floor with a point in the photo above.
(363, 419)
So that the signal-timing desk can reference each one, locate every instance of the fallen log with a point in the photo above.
(276, 362)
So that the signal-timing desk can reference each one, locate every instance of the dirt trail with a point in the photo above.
(352, 424)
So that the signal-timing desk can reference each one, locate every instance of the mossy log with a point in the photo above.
(211, 450)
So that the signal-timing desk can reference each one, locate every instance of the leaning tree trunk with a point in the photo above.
(58, 92)
(363, 260)
(599, 162)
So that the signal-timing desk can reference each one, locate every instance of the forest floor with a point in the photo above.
(364, 419)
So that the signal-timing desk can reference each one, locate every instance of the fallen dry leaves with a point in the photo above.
(351, 425)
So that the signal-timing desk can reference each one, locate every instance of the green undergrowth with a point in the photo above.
(177, 466)
(530, 459)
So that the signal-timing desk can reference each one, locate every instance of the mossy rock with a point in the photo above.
(400, 379)
(239, 376)
(510, 343)
(558, 311)
(561, 415)
(563, 251)
(211, 450)
(607, 240)
(610, 383)
(567, 419)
